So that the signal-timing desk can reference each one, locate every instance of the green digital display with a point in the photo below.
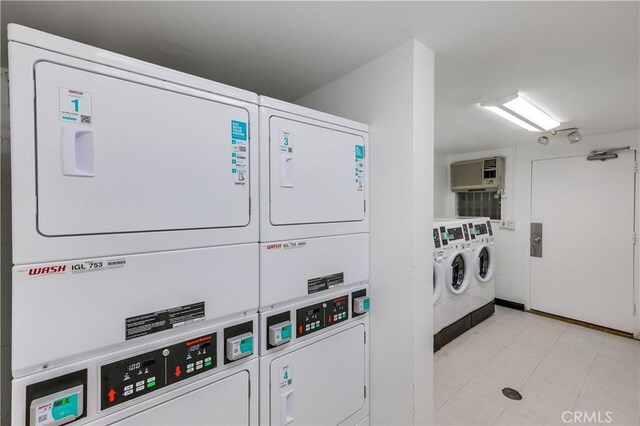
(62, 401)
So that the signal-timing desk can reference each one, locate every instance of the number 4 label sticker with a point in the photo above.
(75, 106)
(285, 376)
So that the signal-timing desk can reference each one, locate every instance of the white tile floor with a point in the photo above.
(557, 367)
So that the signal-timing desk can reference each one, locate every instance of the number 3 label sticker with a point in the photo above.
(75, 106)
(286, 142)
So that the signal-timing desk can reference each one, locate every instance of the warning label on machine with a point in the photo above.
(315, 285)
(166, 319)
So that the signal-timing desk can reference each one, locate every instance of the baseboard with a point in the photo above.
(583, 324)
(509, 304)
(464, 324)
(482, 313)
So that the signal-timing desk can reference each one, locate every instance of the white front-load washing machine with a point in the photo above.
(482, 287)
(455, 259)
(438, 269)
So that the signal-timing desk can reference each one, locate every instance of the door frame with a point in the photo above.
(528, 164)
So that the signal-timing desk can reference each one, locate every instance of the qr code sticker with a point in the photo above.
(85, 119)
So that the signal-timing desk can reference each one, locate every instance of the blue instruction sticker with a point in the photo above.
(238, 130)
(239, 153)
(359, 167)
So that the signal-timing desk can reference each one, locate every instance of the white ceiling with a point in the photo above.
(577, 60)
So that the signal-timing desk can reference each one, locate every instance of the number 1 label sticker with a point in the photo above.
(75, 106)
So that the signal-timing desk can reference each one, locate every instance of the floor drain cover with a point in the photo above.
(512, 394)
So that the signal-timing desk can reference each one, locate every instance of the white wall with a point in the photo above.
(512, 246)
(394, 95)
(440, 185)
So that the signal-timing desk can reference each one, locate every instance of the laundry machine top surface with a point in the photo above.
(283, 106)
(29, 36)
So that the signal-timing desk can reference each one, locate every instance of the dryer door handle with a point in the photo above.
(286, 410)
(77, 152)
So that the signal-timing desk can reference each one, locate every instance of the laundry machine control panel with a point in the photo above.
(436, 238)
(318, 316)
(466, 231)
(57, 401)
(481, 228)
(58, 409)
(238, 342)
(361, 305)
(131, 377)
(238, 347)
(444, 236)
(280, 333)
(472, 231)
(455, 233)
(484, 231)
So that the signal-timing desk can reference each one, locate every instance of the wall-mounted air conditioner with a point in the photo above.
(484, 174)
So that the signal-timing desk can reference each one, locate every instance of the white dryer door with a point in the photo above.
(316, 174)
(225, 402)
(117, 156)
(319, 384)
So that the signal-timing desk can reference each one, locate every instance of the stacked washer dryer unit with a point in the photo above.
(482, 287)
(135, 278)
(453, 261)
(314, 267)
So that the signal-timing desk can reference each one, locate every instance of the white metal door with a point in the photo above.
(114, 156)
(316, 174)
(225, 402)
(320, 384)
(586, 209)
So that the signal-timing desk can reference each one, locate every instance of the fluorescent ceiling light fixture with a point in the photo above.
(521, 112)
(512, 118)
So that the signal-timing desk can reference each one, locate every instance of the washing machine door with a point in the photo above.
(438, 281)
(458, 273)
(320, 384)
(225, 402)
(484, 263)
